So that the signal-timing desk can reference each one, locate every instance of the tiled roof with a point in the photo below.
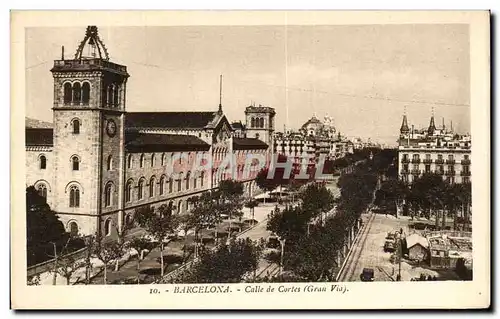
(237, 126)
(166, 120)
(39, 137)
(248, 144)
(34, 123)
(164, 143)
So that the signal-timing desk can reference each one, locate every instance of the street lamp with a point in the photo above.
(282, 243)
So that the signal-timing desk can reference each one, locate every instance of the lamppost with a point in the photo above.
(282, 243)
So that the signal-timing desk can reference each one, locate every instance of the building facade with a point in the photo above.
(434, 150)
(99, 163)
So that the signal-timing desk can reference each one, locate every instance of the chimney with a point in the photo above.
(62, 53)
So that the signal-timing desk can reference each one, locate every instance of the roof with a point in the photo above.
(237, 126)
(312, 120)
(165, 120)
(34, 123)
(39, 137)
(415, 239)
(164, 143)
(248, 144)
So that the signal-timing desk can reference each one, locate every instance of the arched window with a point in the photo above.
(262, 122)
(162, 185)
(140, 189)
(109, 163)
(195, 181)
(74, 196)
(85, 93)
(170, 185)
(110, 94)
(67, 93)
(43, 162)
(129, 161)
(128, 191)
(179, 184)
(141, 162)
(75, 161)
(188, 177)
(202, 178)
(116, 91)
(77, 93)
(73, 229)
(179, 207)
(108, 193)
(252, 122)
(163, 159)
(152, 160)
(76, 126)
(152, 183)
(107, 227)
(42, 190)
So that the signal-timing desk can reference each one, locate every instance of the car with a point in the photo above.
(367, 274)
(389, 245)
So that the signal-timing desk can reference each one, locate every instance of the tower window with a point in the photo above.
(67, 93)
(163, 159)
(152, 160)
(162, 185)
(85, 93)
(110, 95)
(188, 177)
(252, 122)
(108, 195)
(74, 196)
(109, 163)
(43, 162)
(115, 95)
(129, 161)
(42, 190)
(76, 163)
(77, 93)
(76, 127)
(262, 122)
(128, 192)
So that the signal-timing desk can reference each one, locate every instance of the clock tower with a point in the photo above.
(89, 136)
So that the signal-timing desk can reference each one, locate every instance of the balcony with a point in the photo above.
(450, 173)
(405, 172)
(440, 172)
(439, 161)
(427, 161)
(450, 162)
(415, 172)
(465, 173)
(405, 160)
(465, 162)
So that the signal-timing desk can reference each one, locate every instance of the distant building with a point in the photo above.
(447, 248)
(437, 150)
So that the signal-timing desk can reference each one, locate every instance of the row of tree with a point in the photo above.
(428, 195)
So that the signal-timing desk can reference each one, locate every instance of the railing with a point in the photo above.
(465, 162)
(415, 171)
(88, 64)
(465, 173)
(416, 161)
(450, 173)
(405, 160)
(49, 264)
(451, 162)
(427, 161)
(440, 172)
(439, 161)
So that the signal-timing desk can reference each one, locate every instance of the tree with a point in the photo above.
(159, 225)
(106, 250)
(264, 183)
(391, 195)
(228, 263)
(139, 245)
(316, 198)
(43, 228)
(428, 192)
(251, 204)
(205, 212)
(68, 265)
(290, 223)
(231, 200)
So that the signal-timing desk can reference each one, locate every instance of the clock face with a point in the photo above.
(111, 128)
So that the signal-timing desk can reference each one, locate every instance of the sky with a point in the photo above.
(364, 76)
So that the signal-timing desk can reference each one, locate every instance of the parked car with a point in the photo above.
(367, 274)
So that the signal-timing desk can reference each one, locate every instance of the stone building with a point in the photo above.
(434, 149)
(98, 163)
